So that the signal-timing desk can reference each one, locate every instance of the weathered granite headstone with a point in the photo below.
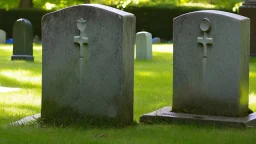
(23, 40)
(210, 68)
(2, 37)
(143, 46)
(88, 65)
(248, 9)
(211, 63)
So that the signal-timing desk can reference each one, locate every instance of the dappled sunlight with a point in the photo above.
(205, 5)
(153, 75)
(162, 48)
(6, 47)
(252, 101)
(252, 74)
(13, 111)
(22, 76)
(18, 104)
(252, 98)
(37, 47)
(27, 96)
(146, 74)
(9, 47)
(8, 89)
(49, 6)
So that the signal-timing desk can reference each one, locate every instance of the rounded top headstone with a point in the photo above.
(205, 25)
(24, 20)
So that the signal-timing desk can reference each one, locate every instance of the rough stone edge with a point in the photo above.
(27, 120)
(99, 6)
(165, 115)
(22, 57)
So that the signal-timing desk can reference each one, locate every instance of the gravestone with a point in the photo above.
(211, 63)
(36, 39)
(143, 46)
(2, 36)
(23, 40)
(248, 9)
(88, 65)
(210, 69)
(156, 40)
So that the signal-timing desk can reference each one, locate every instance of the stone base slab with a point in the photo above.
(166, 115)
(23, 57)
(27, 120)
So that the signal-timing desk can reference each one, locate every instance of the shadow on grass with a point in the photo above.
(15, 112)
(21, 107)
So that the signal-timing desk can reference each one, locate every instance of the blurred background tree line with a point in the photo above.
(154, 16)
(58, 4)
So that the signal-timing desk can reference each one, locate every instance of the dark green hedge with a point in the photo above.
(33, 15)
(156, 20)
(2, 14)
(159, 20)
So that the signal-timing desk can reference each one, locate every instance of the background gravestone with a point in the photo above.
(143, 46)
(210, 70)
(2, 37)
(211, 63)
(23, 40)
(248, 9)
(88, 65)
(156, 40)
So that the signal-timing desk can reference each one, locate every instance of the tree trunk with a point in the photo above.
(26, 4)
(87, 1)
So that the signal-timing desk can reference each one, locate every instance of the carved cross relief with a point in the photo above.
(205, 26)
(82, 40)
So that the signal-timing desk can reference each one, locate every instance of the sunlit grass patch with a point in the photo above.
(23, 76)
(152, 90)
(18, 104)
(205, 5)
(252, 101)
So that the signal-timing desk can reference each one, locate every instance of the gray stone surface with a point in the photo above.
(88, 65)
(143, 46)
(2, 37)
(166, 115)
(211, 63)
(23, 40)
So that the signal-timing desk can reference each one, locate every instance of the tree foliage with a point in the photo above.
(57, 4)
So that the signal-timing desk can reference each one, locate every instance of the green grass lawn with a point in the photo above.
(152, 88)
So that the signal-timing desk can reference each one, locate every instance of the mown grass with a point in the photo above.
(153, 90)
